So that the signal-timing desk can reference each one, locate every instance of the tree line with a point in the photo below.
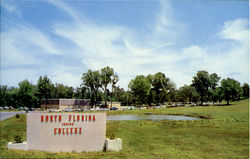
(101, 85)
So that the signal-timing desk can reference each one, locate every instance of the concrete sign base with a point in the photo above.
(113, 145)
(18, 146)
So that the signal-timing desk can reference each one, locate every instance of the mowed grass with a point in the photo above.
(223, 132)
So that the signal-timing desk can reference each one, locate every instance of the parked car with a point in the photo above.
(11, 107)
(113, 108)
(78, 109)
(20, 108)
(54, 110)
(104, 109)
(6, 107)
(68, 110)
(31, 109)
(84, 110)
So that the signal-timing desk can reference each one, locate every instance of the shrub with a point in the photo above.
(18, 139)
(112, 136)
(17, 116)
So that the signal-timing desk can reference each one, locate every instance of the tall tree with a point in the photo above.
(203, 82)
(150, 100)
(231, 89)
(114, 80)
(92, 80)
(26, 93)
(44, 89)
(106, 74)
(162, 84)
(140, 88)
(245, 89)
(3, 95)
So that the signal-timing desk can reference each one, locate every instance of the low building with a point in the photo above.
(65, 103)
(114, 104)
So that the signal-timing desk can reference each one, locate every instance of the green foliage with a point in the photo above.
(106, 78)
(161, 84)
(44, 88)
(9, 96)
(140, 88)
(26, 94)
(231, 89)
(18, 139)
(245, 89)
(188, 94)
(203, 82)
(216, 94)
(92, 80)
(3, 95)
(61, 91)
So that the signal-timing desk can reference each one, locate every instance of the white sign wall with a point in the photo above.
(66, 132)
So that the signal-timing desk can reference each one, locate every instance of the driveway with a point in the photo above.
(6, 115)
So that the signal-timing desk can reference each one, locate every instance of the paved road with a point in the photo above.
(6, 115)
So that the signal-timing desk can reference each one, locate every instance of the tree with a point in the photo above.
(245, 89)
(217, 94)
(187, 94)
(203, 82)
(44, 89)
(3, 95)
(61, 91)
(162, 84)
(140, 88)
(92, 80)
(26, 93)
(81, 93)
(12, 98)
(231, 89)
(150, 78)
(106, 74)
(114, 80)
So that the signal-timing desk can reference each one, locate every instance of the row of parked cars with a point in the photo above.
(7, 108)
(20, 108)
(82, 110)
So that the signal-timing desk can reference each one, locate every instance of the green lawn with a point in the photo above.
(222, 133)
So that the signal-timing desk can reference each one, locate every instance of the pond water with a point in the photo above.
(149, 117)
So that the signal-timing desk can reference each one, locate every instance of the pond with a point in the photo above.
(149, 117)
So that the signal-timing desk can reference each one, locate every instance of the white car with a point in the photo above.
(68, 110)
(54, 110)
(6, 107)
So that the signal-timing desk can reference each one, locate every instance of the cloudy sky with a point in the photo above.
(63, 39)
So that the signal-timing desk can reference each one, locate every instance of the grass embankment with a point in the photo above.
(224, 135)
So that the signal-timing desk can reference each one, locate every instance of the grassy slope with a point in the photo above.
(225, 135)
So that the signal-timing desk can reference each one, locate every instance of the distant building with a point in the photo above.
(65, 103)
(114, 104)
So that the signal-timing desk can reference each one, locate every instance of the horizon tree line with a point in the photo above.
(148, 90)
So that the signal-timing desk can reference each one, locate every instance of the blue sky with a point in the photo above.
(63, 39)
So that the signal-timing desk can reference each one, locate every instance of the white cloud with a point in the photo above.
(236, 30)
(99, 45)
(11, 8)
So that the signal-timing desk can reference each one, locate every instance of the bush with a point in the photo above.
(112, 136)
(17, 116)
(18, 139)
